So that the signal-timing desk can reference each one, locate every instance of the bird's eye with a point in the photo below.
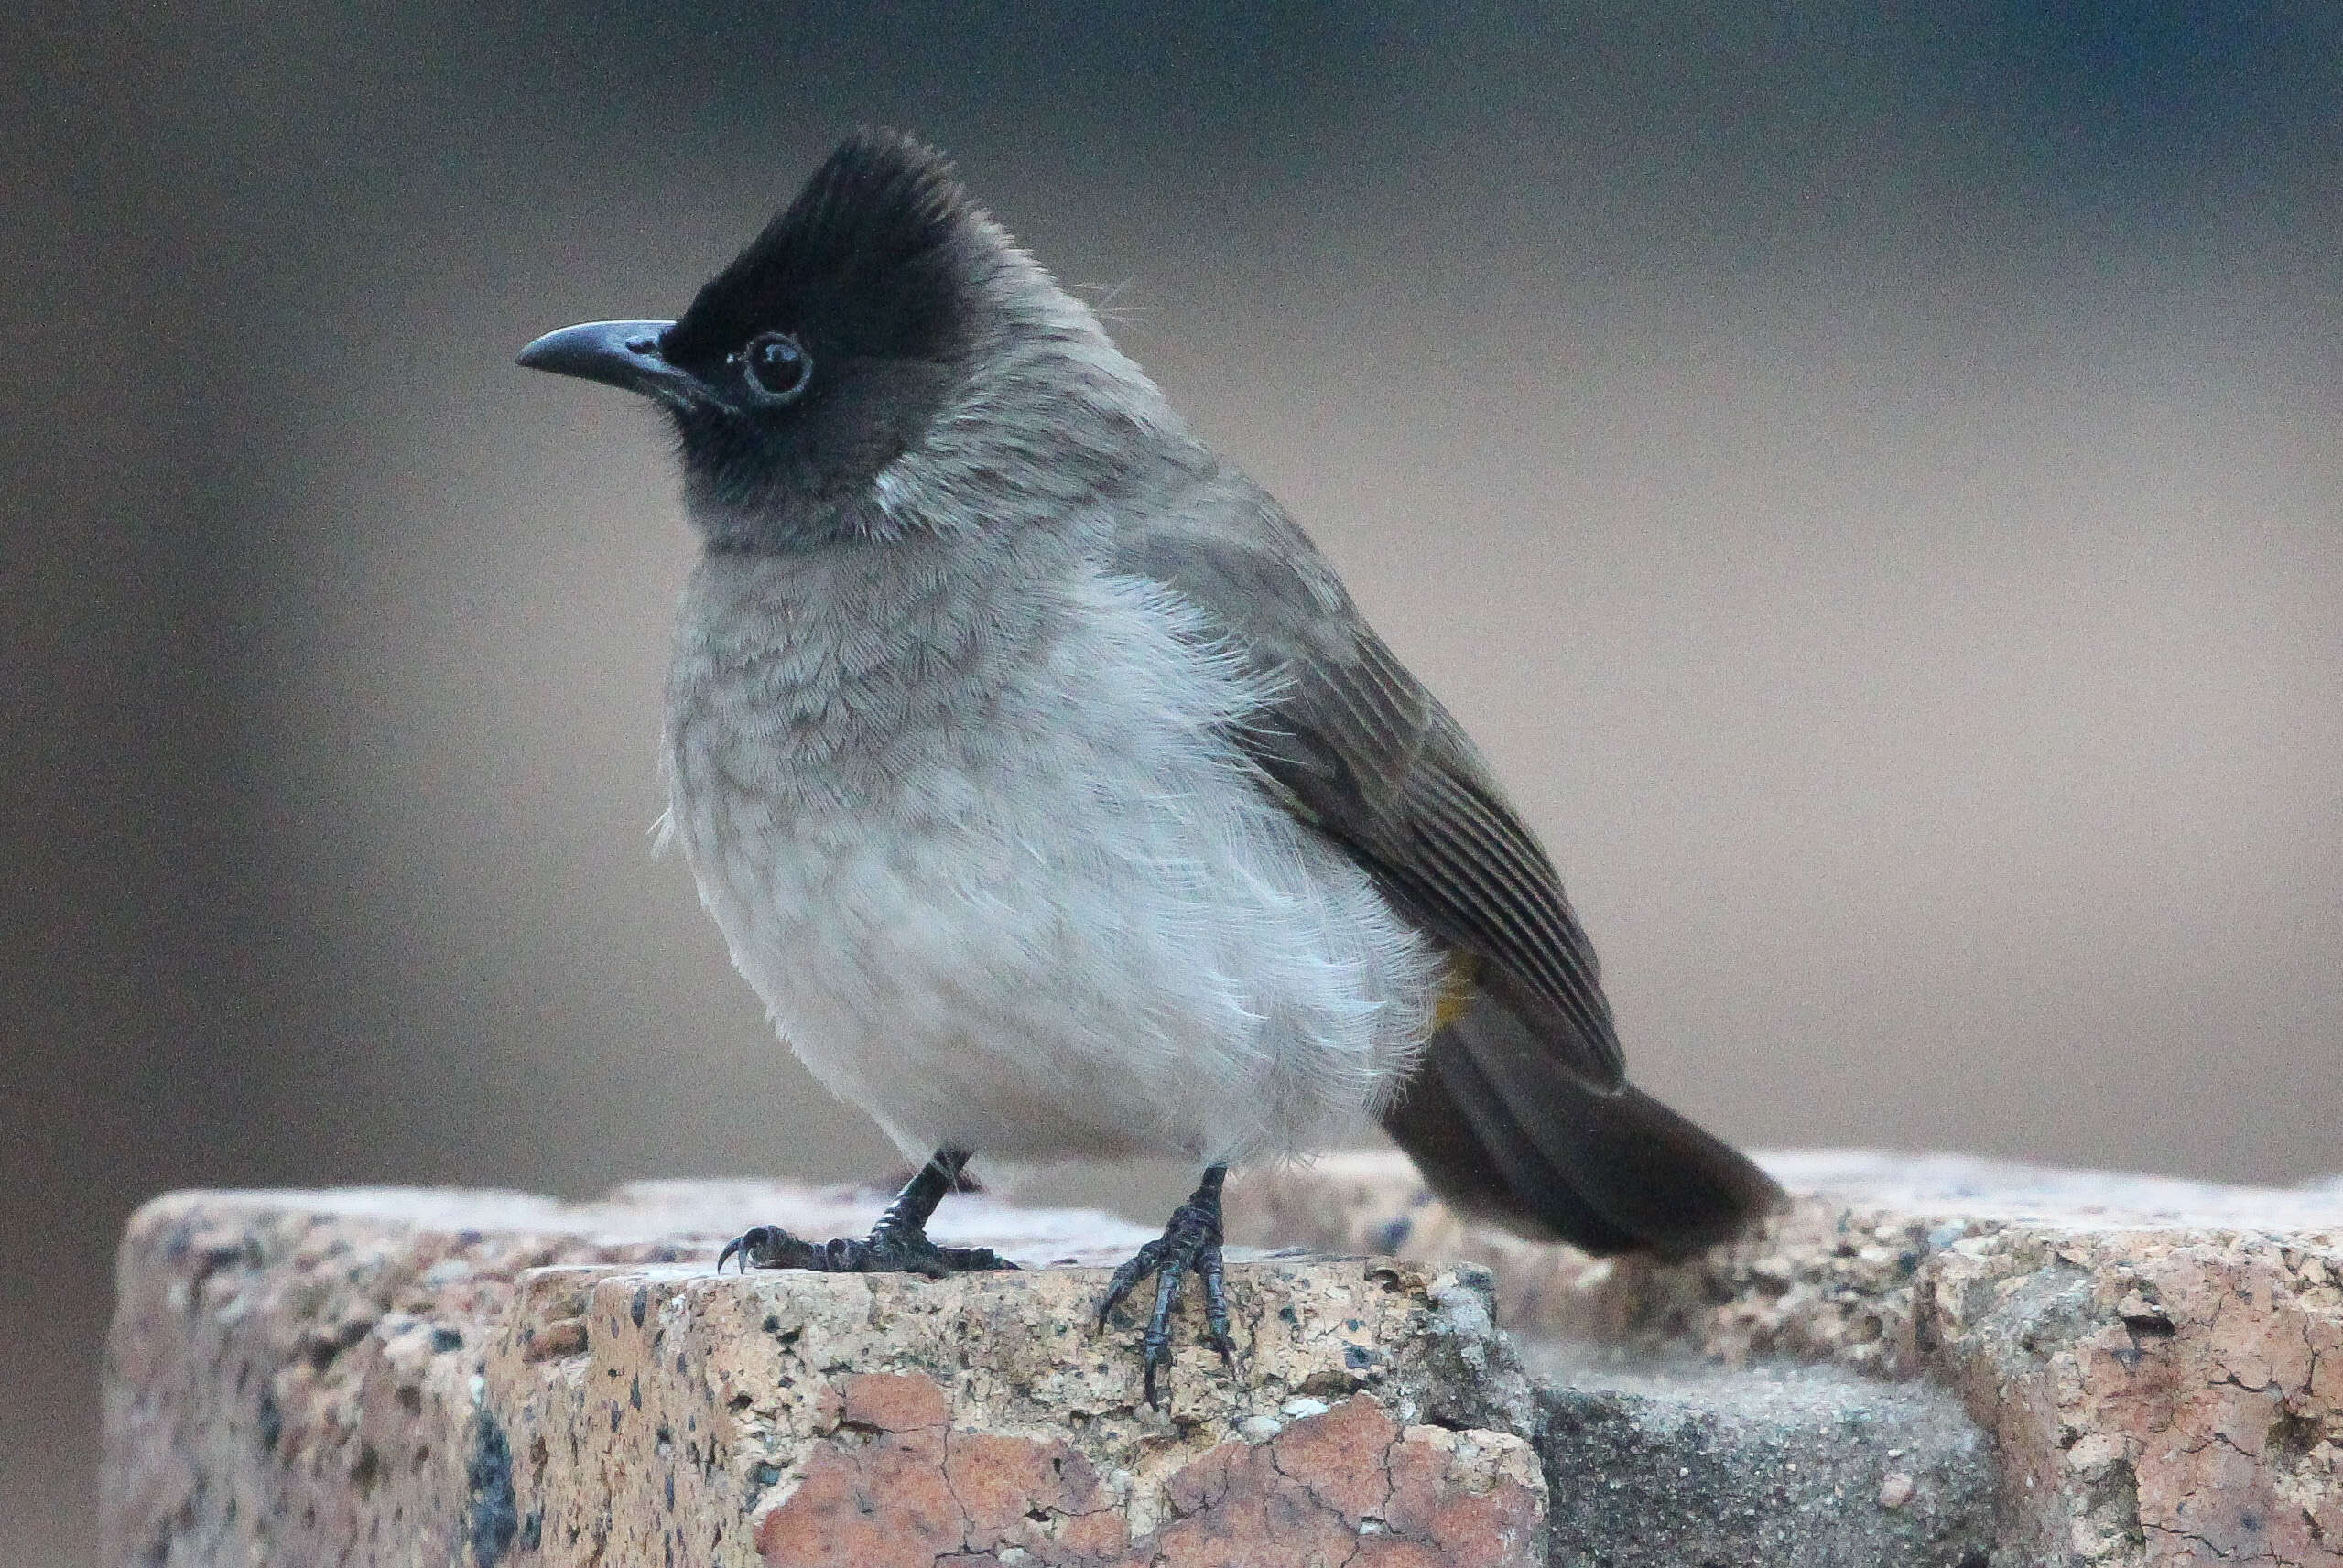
(776, 366)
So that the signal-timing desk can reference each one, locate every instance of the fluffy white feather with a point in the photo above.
(974, 826)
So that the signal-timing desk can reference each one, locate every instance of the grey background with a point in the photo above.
(1869, 476)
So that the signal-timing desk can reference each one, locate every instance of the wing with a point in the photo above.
(1355, 746)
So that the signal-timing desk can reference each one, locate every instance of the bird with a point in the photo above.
(1055, 796)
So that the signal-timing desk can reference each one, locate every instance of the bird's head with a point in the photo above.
(882, 359)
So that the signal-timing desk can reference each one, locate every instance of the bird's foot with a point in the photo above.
(888, 1249)
(1190, 1243)
(899, 1243)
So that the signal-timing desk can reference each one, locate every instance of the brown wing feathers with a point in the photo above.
(1376, 763)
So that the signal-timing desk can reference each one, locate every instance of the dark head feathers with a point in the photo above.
(880, 255)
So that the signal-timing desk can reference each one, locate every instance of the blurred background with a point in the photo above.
(1869, 476)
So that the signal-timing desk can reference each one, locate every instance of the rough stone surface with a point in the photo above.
(1769, 1466)
(2160, 1363)
(499, 1380)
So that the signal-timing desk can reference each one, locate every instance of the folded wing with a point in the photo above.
(1521, 1110)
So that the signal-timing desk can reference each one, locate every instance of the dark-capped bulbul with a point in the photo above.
(1054, 795)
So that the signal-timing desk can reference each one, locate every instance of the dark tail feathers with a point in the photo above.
(1503, 1132)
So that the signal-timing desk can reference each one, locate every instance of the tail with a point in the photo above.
(1502, 1131)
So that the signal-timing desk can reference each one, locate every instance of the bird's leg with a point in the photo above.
(899, 1243)
(1190, 1242)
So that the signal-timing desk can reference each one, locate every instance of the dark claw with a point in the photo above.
(768, 1246)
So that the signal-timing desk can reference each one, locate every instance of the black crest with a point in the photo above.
(879, 255)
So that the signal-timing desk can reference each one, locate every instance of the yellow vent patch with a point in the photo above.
(1456, 989)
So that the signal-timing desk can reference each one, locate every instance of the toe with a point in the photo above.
(1142, 1264)
(972, 1259)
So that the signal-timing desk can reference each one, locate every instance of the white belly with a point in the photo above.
(1053, 915)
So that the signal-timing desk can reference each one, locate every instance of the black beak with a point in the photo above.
(619, 353)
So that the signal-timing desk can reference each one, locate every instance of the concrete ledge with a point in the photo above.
(1922, 1362)
(378, 1377)
(2160, 1363)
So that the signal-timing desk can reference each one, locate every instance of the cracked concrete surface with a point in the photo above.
(2159, 1363)
(1923, 1361)
(895, 1483)
(382, 1377)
